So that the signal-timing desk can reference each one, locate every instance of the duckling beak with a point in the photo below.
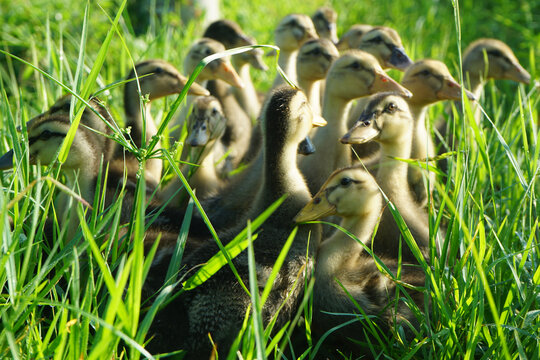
(197, 137)
(306, 147)
(6, 161)
(318, 121)
(362, 131)
(317, 208)
(399, 59)
(519, 74)
(451, 90)
(383, 83)
(196, 89)
(226, 72)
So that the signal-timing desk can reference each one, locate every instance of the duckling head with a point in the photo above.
(430, 81)
(356, 74)
(348, 192)
(217, 69)
(158, 78)
(493, 59)
(386, 118)
(315, 58)
(385, 44)
(325, 19)
(352, 38)
(287, 118)
(206, 122)
(293, 31)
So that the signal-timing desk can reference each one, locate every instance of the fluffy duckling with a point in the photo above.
(388, 120)
(325, 19)
(429, 81)
(90, 148)
(231, 35)
(156, 78)
(237, 137)
(355, 74)
(205, 125)
(353, 194)
(314, 60)
(290, 34)
(385, 44)
(218, 69)
(351, 38)
(218, 306)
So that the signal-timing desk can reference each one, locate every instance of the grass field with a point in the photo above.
(80, 298)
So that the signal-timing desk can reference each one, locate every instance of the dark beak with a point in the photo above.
(399, 59)
(306, 147)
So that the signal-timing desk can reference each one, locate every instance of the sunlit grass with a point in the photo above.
(81, 297)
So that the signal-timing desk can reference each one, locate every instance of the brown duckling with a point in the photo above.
(388, 120)
(218, 307)
(341, 261)
(156, 78)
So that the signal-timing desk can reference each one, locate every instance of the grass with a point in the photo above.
(81, 297)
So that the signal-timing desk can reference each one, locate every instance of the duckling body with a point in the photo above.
(219, 305)
(156, 78)
(354, 74)
(387, 120)
(290, 34)
(429, 81)
(353, 194)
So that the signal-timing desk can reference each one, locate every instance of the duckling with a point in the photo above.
(312, 64)
(237, 137)
(501, 64)
(218, 306)
(205, 125)
(385, 44)
(354, 195)
(325, 19)
(351, 38)
(290, 34)
(157, 78)
(218, 69)
(388, 120)
(429, 81)
(90, 148)
(231, 35)
(355, 74)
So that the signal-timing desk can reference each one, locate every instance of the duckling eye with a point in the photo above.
(355, 65)
(495, 53)
(158, 70)
(367, 123)
(214, 111)
(317, 200)
(345, 181)
(46, 134)
(424, 73)
(315, 52)
(391, 108)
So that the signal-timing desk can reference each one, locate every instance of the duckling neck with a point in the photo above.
(312, 89)
(392, 173)
(341, 251)
(327, 138)
(422, 145)
(287, 62)
(282, 177)
(247, 96)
